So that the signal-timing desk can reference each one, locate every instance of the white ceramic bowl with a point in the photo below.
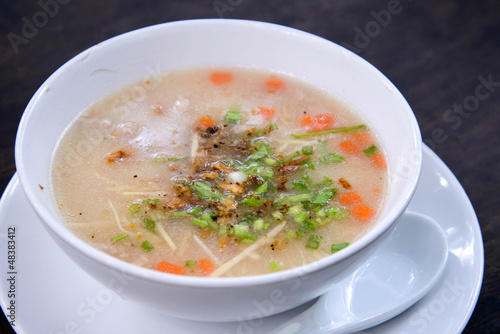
(149, 52)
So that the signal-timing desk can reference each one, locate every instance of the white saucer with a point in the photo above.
(55, 296)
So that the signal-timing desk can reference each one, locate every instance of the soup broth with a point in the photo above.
(219, 172)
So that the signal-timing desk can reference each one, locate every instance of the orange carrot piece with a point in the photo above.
(266, 112)
(318, 122)
(363, 212)
(207, 122)
(220, 78)
(170, 268)
(349, 198)
(274, 82)
(349, 147)
(380, 160)
(307, 121)
(363, 139)
(206, 266)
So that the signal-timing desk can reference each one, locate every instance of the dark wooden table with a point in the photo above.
(435, 52)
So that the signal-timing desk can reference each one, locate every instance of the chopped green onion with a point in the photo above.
(174, 159)
(190, 263)
(331, 157)
(301, 217)
(262, 188)
(150, 225)
(324, 196)
(337, 247)
(273, 126)
(297, 198)
(207, 217)
(258, 225)
(204, 191)
(199, 222)
(240, 229)
(309, 164)
(233, 114)
(346, 129)
(326, 182)
(301, 186)
(307, 150)
(270, 162)
(259, 132)
(253, 201)
(195, 211)
(321, 213)
(336, 213)
(295, 210)
(309, 226)
(155, 201)
(134, 208)
(146, 245)
(260, 153)
(274, 266)
(290, 235)
(371, 150)
(313, 241)
(277, 215)
(178, 214)
(119, 237)
(222, 230)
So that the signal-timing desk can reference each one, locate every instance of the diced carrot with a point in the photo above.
(206, 266)
(318, 122)
(363, 139)
(349, 147)
(363, 212)
(170, 268)
(349, 198)
(220, 78)
(207, 122)
(307, 120)
(266, 112)
(380, 160)
(274, 82)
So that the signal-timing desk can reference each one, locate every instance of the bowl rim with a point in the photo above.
(205, 282)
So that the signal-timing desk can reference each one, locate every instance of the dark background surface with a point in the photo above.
(433, 51)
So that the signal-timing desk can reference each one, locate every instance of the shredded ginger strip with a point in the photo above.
(206, 249)
(116, 216)
(165, 236)
(235, 260)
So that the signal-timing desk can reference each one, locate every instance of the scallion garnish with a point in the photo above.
(337, 247)
(371, 150)
(190, 263)
(199, 222)
(119, 237)
(150, 225)
(178, 214)
(345, 129)
(313, 241)
(134, 208)
(146, 245)
(274, 266)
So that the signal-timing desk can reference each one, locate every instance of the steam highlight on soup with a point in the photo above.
(219, 172)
